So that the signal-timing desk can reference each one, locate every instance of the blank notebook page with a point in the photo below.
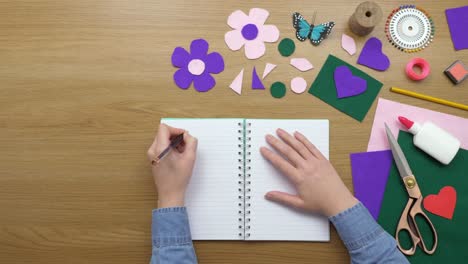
(271, 221)
(212, 195)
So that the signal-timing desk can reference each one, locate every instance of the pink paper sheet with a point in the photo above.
(388, 111)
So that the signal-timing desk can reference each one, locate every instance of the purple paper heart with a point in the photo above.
(347, 84)
(372, 55)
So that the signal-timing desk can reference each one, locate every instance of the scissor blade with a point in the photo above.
(398, 156)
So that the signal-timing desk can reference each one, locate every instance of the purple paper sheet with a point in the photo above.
(370, 173)
(457, 19)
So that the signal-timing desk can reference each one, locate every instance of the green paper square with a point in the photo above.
(431, 176)
(354, 106)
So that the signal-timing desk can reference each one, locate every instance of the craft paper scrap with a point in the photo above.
(356, 106)
(372, 55)
(388, 112)
(348, 44)
(442, 204)
(236, 84)
(256, 82)
(250, 31)
(301, 64)
(370, 173)
(431, 176)
(346, 84)
(196, 66)
(268, 68)
(457, 20)
(278, 90)
(298, 85)
(286, 47)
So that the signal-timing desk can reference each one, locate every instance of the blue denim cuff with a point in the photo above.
(170, 227)
(356, 227)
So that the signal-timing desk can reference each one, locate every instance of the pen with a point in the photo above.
(174, 143)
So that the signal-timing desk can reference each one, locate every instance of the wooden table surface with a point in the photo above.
(83, 85)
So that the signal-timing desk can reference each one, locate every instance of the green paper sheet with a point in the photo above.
(431, 176)
(355, 106)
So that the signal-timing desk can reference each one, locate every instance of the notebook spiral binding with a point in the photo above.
(247, 190)
(244, 180)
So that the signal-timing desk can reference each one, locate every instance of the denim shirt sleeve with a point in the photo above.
(366, 241)
(172, 241)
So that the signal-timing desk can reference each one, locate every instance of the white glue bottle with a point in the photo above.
(433, 140)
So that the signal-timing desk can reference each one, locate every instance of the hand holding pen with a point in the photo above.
(173, 157)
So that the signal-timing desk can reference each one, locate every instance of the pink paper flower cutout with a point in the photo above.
(250, 31)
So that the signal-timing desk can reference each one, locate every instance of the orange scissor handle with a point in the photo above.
(408, 223)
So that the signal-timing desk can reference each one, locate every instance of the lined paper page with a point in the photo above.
(212, 195)
(271, 221)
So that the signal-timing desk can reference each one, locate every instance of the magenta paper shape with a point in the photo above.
(372, 55)
(457, 19)
(370, 174)
(256, 82)
(347, 84)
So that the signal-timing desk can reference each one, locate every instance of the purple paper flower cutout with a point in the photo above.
(196, 66)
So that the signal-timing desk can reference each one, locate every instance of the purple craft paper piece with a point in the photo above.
(199, 48)
(214, 63)
(183, 78)
(370, 173)
(457, 20)
(372, 55)
(204, 82)
(346, 84)
(196, 66)
(256, 82)
(180, 57)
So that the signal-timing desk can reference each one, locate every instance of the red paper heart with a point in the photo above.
(442, 204)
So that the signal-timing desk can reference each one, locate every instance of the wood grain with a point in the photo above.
(83, 85)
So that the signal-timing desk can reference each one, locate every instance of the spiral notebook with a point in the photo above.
(225, 197)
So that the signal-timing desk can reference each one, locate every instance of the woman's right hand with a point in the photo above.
(319, 187)
(172, 174)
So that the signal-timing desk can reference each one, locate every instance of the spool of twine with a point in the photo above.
(365, 18)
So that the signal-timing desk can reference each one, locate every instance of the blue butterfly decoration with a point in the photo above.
(305, 30)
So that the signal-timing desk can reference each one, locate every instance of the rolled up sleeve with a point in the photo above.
(365, 239)
(172, 241)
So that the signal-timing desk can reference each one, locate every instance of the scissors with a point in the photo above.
(413, 207)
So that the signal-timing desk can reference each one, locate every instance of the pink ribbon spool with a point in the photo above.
(422, 64)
